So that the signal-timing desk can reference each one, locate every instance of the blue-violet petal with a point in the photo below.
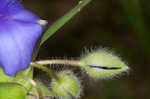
(19, 32)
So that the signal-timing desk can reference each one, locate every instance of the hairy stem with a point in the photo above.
(58, 61)
(49, 71)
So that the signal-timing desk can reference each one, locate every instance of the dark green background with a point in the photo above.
(103, 23)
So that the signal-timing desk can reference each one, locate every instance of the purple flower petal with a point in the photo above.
(11, 6)
(19, 32)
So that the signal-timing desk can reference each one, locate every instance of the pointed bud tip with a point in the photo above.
(42, 22)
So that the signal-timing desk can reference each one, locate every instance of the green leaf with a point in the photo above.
(59, 23)
(3, 77)
(12, 91)
(134, 13)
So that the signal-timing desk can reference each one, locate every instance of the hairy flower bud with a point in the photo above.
(67, 87)
(103, 64)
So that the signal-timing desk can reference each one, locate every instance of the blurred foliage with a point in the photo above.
(120, 25)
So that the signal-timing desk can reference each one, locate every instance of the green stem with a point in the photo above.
(59, 61)
(59, 23)
(40, 65)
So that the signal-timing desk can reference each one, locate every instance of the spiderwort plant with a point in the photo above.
(19, 31)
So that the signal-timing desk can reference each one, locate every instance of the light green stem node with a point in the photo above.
(101, 64)
(68, 86)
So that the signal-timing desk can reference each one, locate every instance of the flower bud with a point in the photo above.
(68, 86)
(12, 91)
(102, 64)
